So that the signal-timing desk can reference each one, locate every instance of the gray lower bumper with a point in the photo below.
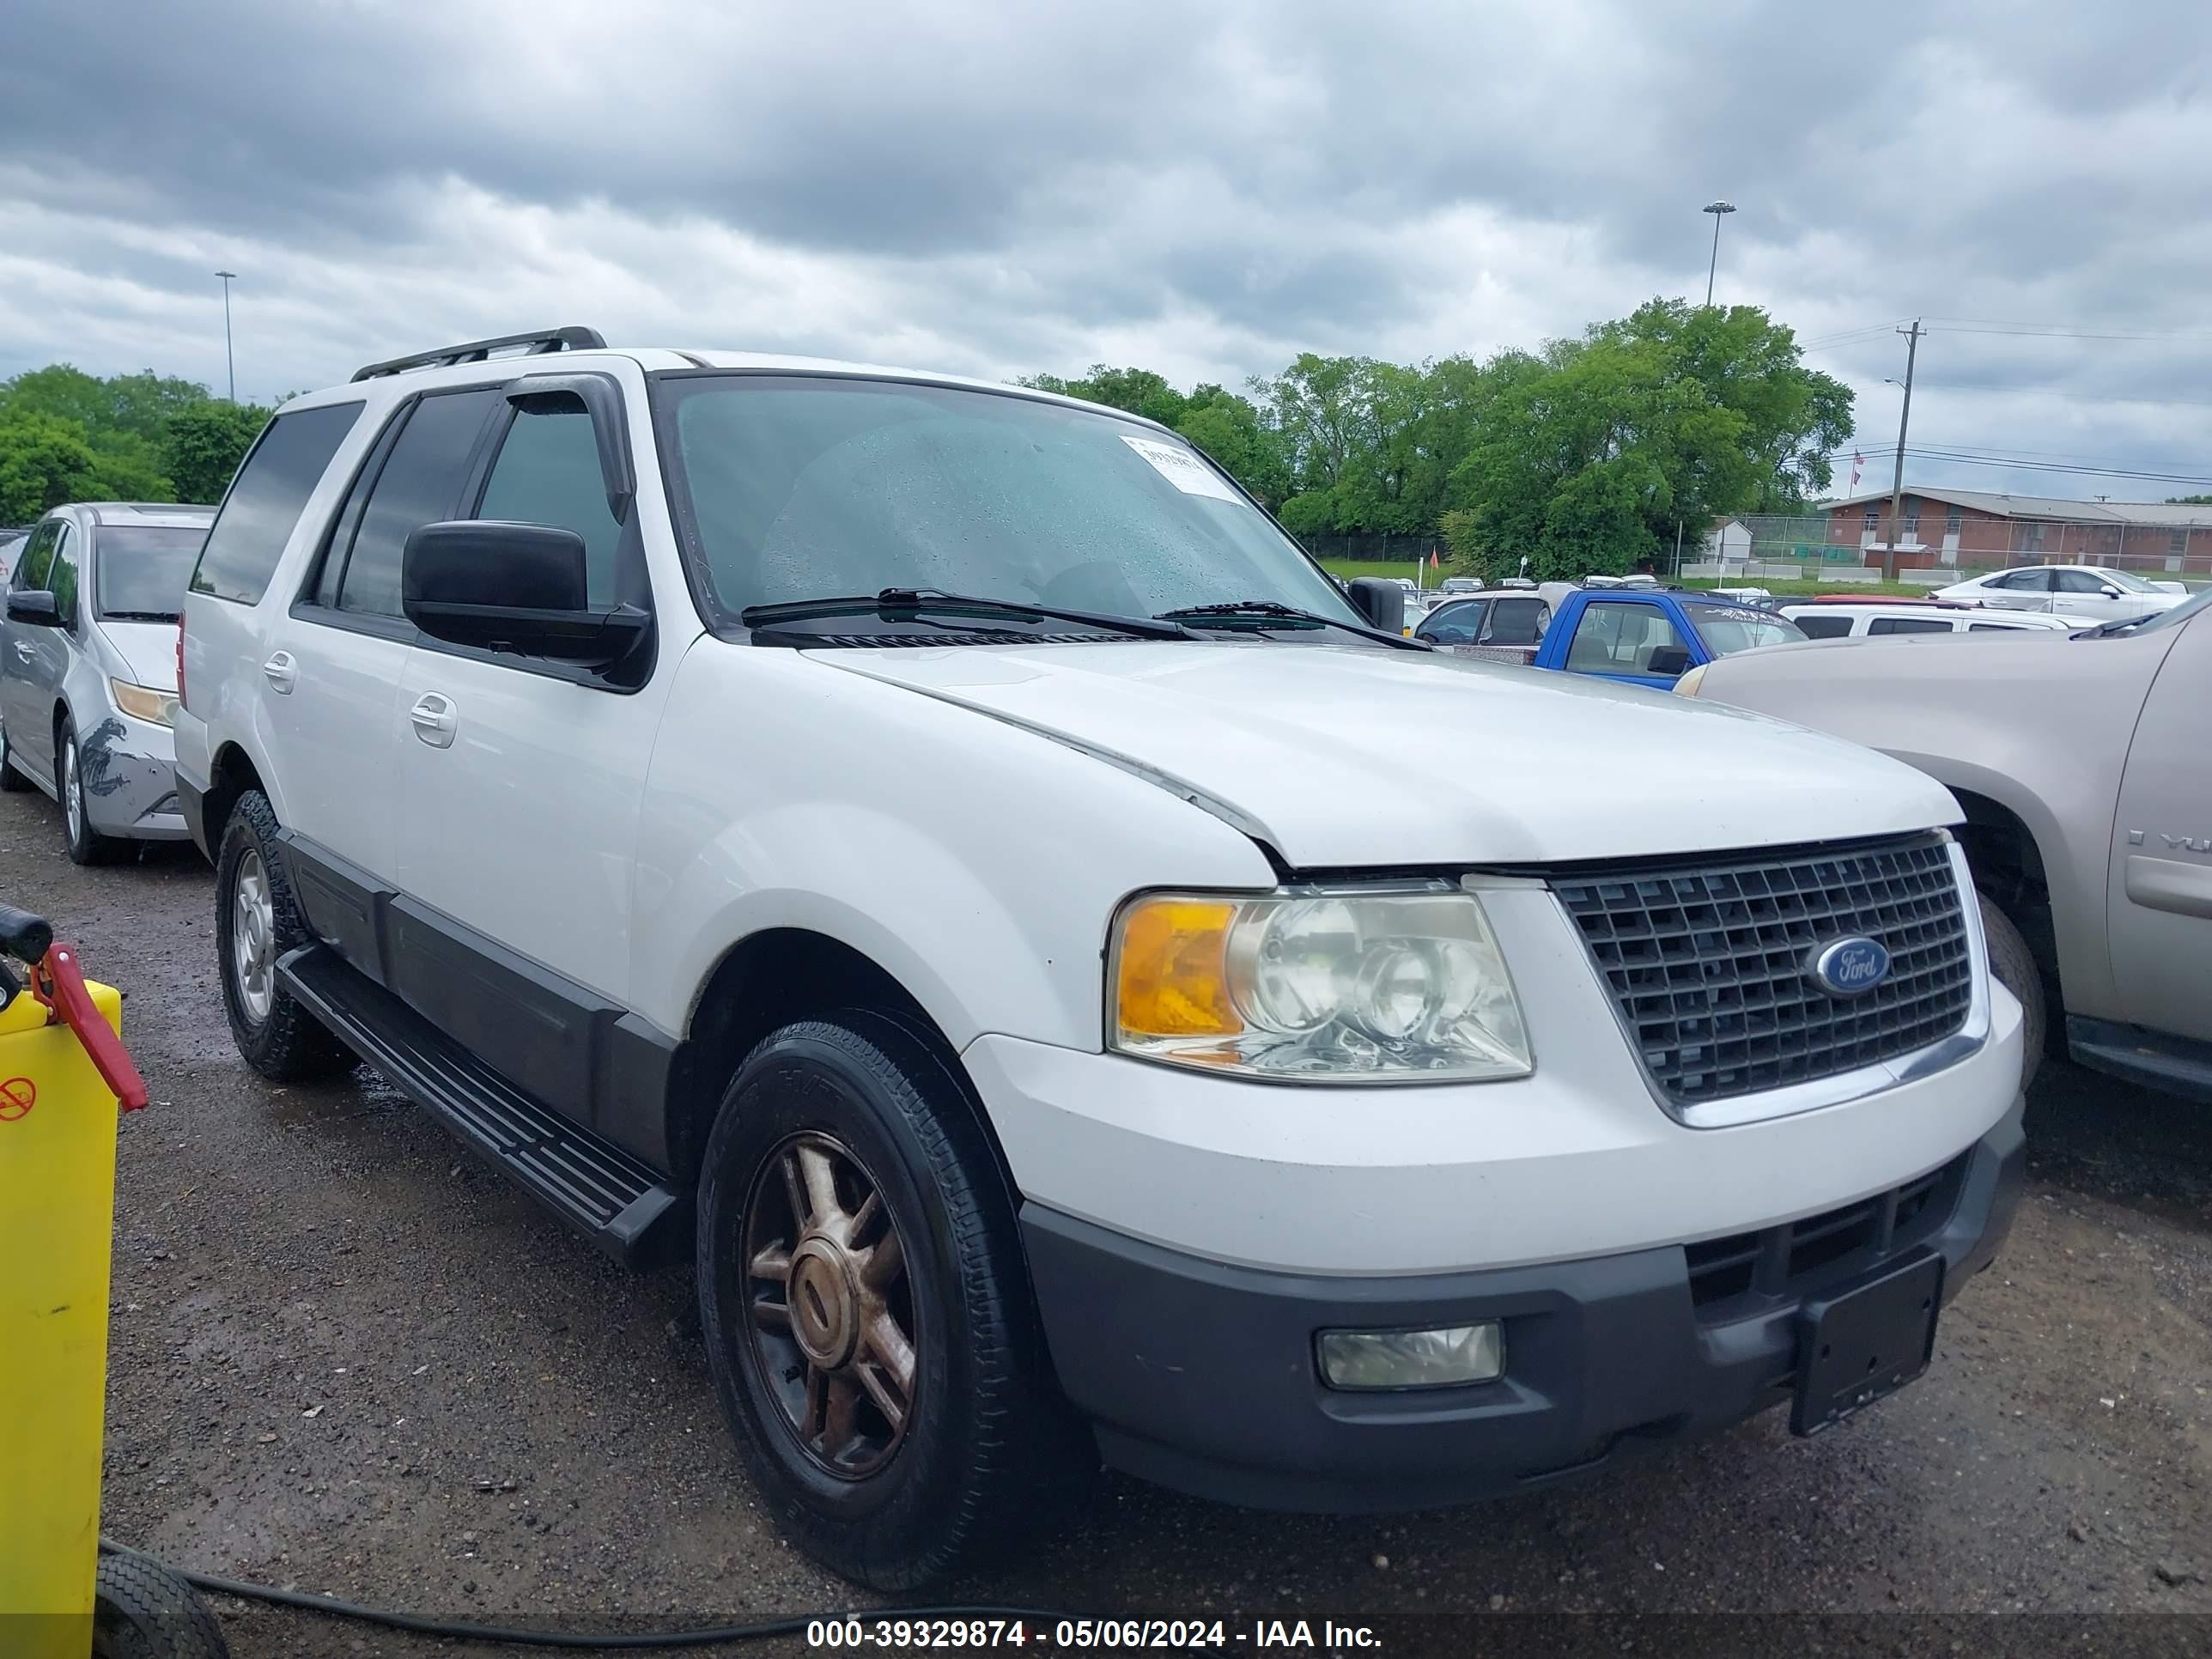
(130, 781)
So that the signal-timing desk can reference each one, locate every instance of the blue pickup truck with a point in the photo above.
(1642, 635)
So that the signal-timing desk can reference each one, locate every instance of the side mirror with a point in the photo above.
(34, 606)
(519, 588)
(1382, 601)
(1667, 661)
(2110, 592)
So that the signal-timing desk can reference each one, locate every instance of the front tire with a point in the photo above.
(86, 844)
(2013, 965)
(867, 1314)
(256, 921)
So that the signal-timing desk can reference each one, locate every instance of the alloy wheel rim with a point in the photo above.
(253, 938)
(830, 1305)
(72, 792)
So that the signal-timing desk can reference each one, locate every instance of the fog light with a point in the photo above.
(1413, 1359)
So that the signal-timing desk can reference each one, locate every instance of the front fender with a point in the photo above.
(976, 862)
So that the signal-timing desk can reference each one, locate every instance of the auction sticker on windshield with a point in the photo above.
(1181, 468)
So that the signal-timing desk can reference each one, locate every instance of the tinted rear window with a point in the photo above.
(264, 504)
(1823, 628)
(1907, 625)
(143, 568)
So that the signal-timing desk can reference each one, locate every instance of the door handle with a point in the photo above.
(434, 718)
(281, 670)
(24, 652)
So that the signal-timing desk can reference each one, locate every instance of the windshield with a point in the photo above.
(143, 569)
(802, 487)
(1726, 632)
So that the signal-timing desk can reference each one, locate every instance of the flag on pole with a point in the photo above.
(1433, 565)
(1858, 462)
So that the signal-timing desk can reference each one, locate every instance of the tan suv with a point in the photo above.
(2080, 768)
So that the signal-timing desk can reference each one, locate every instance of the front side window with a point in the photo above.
(1454, 624)
(1618, 637)
(38, 558)
(266, 500)
(1908, 625)
(807, 487)
(420, 483)
(548, 472)
(142, 570)
(62, 578)
(2084, 581)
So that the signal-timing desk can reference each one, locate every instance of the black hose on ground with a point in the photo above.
(421, 1625)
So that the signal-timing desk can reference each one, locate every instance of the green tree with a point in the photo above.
(44, 461)
(203, 443)
(1590, 454)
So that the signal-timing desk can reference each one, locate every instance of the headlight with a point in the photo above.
(1318, 985)
(143, 702)
(1687, 686)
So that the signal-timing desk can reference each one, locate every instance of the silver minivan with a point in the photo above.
(89, 669)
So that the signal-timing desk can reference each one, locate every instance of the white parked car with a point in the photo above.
(1873, 618)
(921, 845)
(2091, 592)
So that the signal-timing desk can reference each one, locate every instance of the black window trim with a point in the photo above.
(307, 607)
(360, 407)
(73, 623)
(676, 487)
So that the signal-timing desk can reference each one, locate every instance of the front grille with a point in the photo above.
(1730, 1277)
(1709, 961)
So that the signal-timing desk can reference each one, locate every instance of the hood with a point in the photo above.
(148, 650)
(1349, 756)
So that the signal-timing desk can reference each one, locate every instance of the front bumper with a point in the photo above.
(131, 780)
(1201, 1375)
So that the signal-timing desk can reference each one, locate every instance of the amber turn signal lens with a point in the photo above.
(1173, 969)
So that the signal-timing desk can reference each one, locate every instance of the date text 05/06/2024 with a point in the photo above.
(1073, 1634)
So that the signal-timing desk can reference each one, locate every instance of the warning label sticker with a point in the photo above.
(1181, 468)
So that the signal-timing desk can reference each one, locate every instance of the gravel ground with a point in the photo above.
(345, 1358)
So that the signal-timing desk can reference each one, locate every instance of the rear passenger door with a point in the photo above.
(518, 783)
(331, 685)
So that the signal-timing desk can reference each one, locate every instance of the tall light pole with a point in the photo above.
(231, 366)
(1716, 209)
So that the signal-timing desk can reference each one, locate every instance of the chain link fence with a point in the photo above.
(1851, 544)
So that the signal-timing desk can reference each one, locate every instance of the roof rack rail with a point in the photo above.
(476, 351)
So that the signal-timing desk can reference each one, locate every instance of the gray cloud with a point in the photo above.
(1209, 190)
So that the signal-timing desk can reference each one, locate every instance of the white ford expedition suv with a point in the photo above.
(929, 848)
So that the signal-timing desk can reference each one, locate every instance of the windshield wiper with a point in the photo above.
(890, 601)
(1235, 609)
(138, 615)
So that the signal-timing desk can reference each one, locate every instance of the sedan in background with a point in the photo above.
(2095, 593)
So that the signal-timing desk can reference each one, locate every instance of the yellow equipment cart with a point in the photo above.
(64, 1075)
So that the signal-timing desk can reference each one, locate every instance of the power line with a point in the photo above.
(1958, 457)
(2046, 331)
(2071, 397)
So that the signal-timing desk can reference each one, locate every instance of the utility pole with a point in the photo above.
(1897, 487)
(229, 365)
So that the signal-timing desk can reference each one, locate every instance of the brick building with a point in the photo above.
(1974, 529)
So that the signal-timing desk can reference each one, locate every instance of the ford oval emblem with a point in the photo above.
(1851, 966)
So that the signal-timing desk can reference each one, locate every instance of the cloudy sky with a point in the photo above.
(1205, 189)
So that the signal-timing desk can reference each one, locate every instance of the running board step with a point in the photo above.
(612, 1198)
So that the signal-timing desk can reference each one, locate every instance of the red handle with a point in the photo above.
(56, 982)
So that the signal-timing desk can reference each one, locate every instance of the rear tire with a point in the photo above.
(256, 921)
(2014, 966)
(141, 1610)
(86, 844)
(820, 1115)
